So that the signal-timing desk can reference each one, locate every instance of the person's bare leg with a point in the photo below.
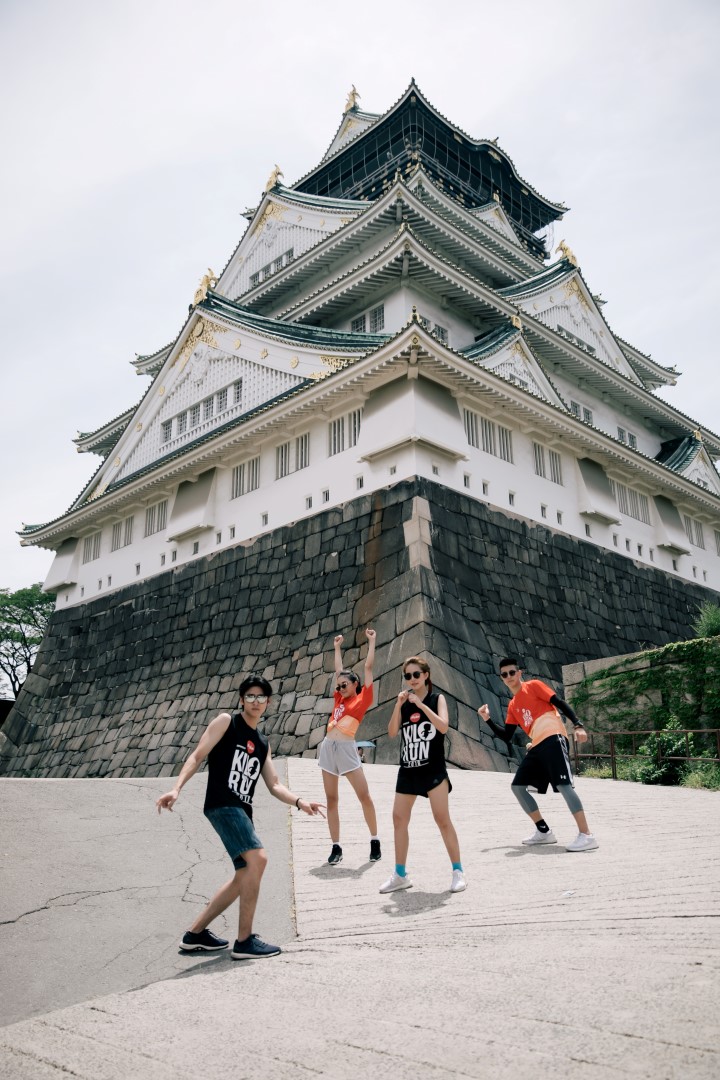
(402, 809)
(582, 821)
(441, 812)
(358, 782)
(330, 783)
(220, 902)
(250, 879)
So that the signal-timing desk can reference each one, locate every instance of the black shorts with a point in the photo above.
(546, 763)
(420, 781)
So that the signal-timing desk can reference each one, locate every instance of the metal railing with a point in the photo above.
(617, 748)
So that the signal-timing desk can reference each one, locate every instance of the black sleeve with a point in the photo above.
(505, 733)
(566, 710)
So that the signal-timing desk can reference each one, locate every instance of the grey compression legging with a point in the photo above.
(529, 805)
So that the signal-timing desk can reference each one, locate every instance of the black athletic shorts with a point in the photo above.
(546, 763)
(420, 780)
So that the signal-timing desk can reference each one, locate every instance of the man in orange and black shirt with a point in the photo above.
(536, 709)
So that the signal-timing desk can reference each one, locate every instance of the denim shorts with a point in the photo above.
(236, 831)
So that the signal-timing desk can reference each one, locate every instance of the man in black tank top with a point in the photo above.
(238, 754)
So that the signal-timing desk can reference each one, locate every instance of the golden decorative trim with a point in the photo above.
(515, 320)
(161, 391)
(572, 288)
(271, 212)
(274, 179)
(415, 341)
(263, 353)
(237, 344)
(207, 281)
(333, 362)
(138, 426)
(352, 100)
(99, 490)
(294, 361)
(566, 253)
(202, 333)
(116, 463)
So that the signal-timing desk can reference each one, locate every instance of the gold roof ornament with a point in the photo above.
(352, 100)
(207, 281)
(274, 179)
(566, 252)
(515, 320)
(698, 435)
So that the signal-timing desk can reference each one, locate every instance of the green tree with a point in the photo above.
(24, 616)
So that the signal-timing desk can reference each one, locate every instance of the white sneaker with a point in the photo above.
(395, 883)
(583, 842)
(540, 838)
(459, 884)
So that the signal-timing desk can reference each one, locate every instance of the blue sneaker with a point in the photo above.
(205, 941)
(253, 948)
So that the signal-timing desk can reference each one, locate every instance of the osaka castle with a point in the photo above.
(399, 404)
(396, 312)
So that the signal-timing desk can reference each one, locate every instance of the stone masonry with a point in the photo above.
(123, 685)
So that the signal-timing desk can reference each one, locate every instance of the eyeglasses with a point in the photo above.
(408, 675)
(260, 698)
(343, 686)
(509, 673)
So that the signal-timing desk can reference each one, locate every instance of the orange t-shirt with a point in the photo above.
(531, 710)
(348, 713)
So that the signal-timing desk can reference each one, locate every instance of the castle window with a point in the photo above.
(162, 559)
(485, 487)
(357, 326)
(632, 441)
(91, 547)
(282, 460)
(575, 408)
(122, 533)
(254, 279)
(539, 459)
(308, 502)
(543, 511)
(441, 334)
(182, 423)
(156, 518)
(632, 503)
(559, 517)
(639, 549)
(505, 450)
(222, 400)
(435, 470)
(621, 434)
(651, 553)
(377, 319)
(245, 477)
(359, 482)
(263, 519)
(555, 464)
(344, 432)
(587, 415)
(137, 569)
(466, 479)
(326, 495)
(166, 431)
(237, 392)
(694, 531)
(627, 544)
(717, 542)
(302, 451)
(674, 565)
(196, 547)
(194, 416)
(487, 432)
(218, 538)
(511, 498)
(208, 408)
(588, 531)
(615, 539)
(232, 532)
(471, 427)
(173, 555)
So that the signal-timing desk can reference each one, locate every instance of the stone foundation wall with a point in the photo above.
(124, 685)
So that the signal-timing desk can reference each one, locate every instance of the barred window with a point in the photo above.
(505, 450)
(441, 334)
(357, 326)
(717, 541)
(282, 460)
(575, 408)
(377, 319)
(208, 408)
(122, 533)
(695, 531)
(587, 415)
(194, 416)
(302, 451)
(166, 430)
(487, 431)
(471, 427)
(555, 464)
(632, 440)
(632, 503)
(156, 517)
(237, 392)
(182, 423)
(621, 434)
(222, 400)
(245, 477)
(91, 547)
(539, 459)
(255, 279)
(336, 436)
(116, 539)
(353, 427)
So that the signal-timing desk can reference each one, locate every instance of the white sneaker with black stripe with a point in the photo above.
(540, 838)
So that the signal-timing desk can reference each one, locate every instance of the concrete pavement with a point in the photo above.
(550, 965)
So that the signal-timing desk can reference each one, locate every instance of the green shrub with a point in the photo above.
(707, 623)
(701, 774)
(651, 766)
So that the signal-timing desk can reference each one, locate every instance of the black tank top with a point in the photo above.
(421, 743)
(234, 765)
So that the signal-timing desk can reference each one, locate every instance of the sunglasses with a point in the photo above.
(343, 686)
(260, 698)
(509, 673)
(408, 675)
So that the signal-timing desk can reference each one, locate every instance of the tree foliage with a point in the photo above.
(24, 616)
(707, 623)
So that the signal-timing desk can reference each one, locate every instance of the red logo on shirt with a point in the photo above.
(415, 717)
(250, 746)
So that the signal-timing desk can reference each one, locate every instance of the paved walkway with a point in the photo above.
(551, 965)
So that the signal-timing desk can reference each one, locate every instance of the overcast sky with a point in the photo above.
(135, 132)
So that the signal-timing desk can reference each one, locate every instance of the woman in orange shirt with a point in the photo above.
(338, 755)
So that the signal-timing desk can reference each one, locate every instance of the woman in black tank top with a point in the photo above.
(420, 717)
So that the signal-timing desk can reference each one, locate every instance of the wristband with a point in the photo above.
(297, 803)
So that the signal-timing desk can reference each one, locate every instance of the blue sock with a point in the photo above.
(457, 866)
(400, 869)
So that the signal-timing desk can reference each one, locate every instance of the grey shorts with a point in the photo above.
(236, 831)
(338, 756)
